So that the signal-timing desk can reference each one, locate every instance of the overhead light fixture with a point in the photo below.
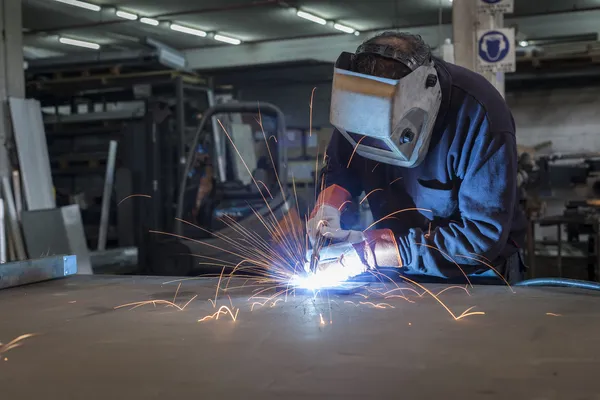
(149, 21)
(190, 31)
(79, 43)
(126, 15)
(523, 43)
(343, 28)
(81, 4)
(227, 39)
(310, 17)
(356, 33)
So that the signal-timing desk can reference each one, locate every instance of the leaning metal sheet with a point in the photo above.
(538, 343)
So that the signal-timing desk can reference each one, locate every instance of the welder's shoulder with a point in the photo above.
(471, 87)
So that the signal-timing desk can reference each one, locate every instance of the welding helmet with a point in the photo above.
(387, 120)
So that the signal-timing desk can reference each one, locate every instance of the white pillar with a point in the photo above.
(464, 28)
(12, 77)
(489, 21)
(465, 23)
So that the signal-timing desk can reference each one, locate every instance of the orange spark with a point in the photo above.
(274, 138)
(403, 288)
(466, 313)
(137, 304)
(354, 151)
(376, 165)
(221, 310)
(454, 287)
(399, 296)
(218, 286)
(368, 194)
(490, 267)
(134, 195)
(266, 188)
(322, 320)
(16, 342)
(378, 305)
(343, 204)
(176, 292)
(275, 302)
(312, 94)
(448, 256)
(395, 180)
(553, 314)
(394, 213)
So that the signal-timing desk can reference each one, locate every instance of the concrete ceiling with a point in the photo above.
(265, 26)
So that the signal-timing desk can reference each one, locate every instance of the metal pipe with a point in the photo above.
(180, 124)
(221, 168)
(2, 234)
(255, 107)
(106, 195)
(18, 195)
(13, 222)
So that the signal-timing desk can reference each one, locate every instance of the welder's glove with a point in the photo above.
(325, 217)
(364, 251)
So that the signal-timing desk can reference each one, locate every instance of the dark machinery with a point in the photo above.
(209, 194)
(140, 99)
(580, 218)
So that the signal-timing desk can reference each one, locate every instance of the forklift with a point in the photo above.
(233, 180)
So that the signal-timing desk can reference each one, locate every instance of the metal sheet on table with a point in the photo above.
(536, 344)
(19, 273)
(32, 148)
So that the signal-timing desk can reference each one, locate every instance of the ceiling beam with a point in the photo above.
(196, 11)
(328, 48)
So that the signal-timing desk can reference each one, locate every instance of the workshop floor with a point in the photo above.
(534, 344)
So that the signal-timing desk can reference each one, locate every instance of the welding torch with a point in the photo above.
(315, 256)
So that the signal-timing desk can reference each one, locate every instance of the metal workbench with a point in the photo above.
(540, 343)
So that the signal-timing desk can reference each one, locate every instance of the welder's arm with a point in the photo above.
(340, 188)
(486, 201)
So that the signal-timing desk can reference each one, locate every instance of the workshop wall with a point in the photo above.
(570, 117)
(294, 101)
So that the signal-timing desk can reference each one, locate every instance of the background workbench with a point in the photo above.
(88, 350)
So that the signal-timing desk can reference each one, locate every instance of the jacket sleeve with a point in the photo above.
(486, 201)
(336, 170)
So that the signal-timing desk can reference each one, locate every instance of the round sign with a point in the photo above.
(493, 46)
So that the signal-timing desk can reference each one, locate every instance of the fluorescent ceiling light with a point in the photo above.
(310, 17)
(227, 39)
(185, 29)
(81, 4)
(343, 28)
(79, 43)
(126, 15)
(149, 21)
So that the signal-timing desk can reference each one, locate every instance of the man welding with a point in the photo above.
(433, 147)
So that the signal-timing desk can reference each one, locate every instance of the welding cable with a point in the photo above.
(560, 282)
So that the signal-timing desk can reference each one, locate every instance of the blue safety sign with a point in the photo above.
(495, 6)
(496, 50)
(493, 47)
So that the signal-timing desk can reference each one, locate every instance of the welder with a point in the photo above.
(432, 146)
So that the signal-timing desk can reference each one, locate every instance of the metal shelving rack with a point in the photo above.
(150, 109)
